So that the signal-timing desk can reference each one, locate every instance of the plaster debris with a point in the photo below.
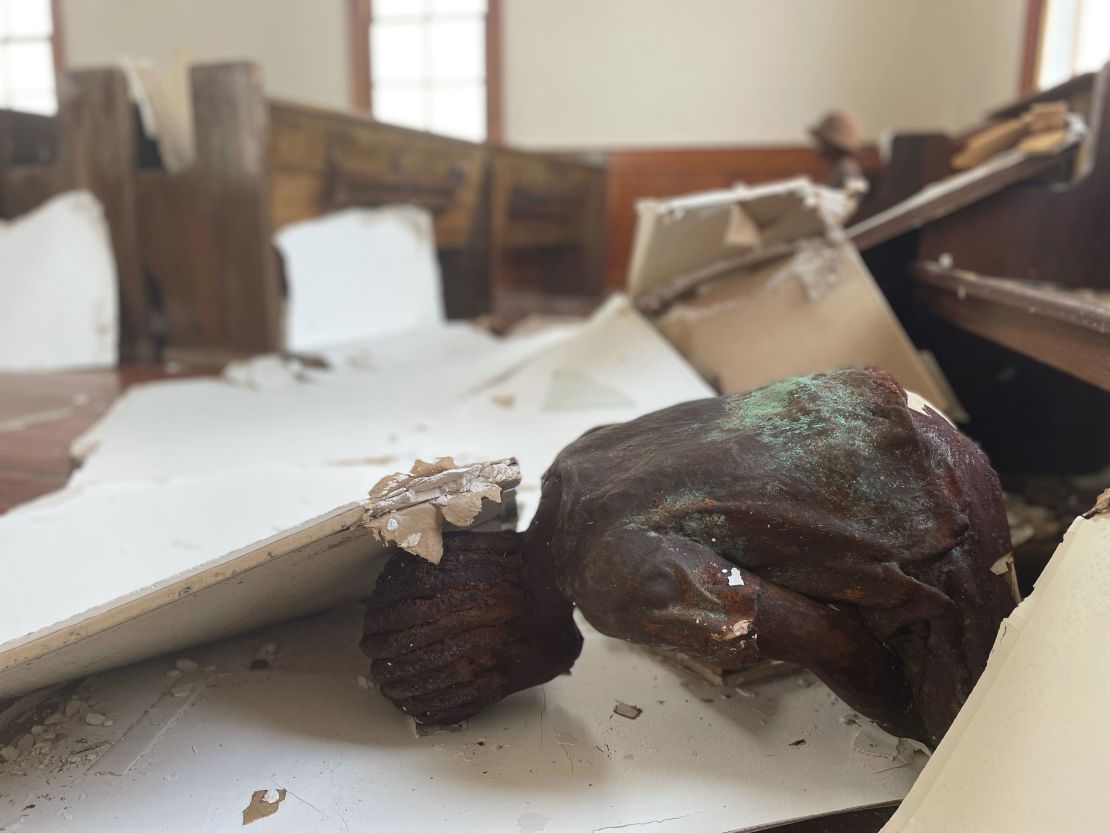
(1003, 565)
(9, 753)
(265, 372)
(363, 682)
(263, 803)
(95, 719)
(738, 629)
(78, 707)
(409, 510)
(264, 657)
(625, 710)
(36, 331)
(531, 823)
(368, 257)
(186, 665)
(871, 740)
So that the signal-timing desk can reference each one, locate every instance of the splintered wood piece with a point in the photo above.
(989, 141)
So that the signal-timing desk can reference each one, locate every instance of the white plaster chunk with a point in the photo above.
(359, 273)
(59, 304)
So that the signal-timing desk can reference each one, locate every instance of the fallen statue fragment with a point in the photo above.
(831, 521)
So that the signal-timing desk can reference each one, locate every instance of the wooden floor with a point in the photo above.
(42, 413)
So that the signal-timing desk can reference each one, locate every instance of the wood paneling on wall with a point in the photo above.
(665, 172)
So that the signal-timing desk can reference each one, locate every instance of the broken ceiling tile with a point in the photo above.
(359, 273)
(37, 332)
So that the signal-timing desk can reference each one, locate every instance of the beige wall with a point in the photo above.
(301, 45)
(622, 73)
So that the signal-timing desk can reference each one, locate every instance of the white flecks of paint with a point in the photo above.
(531, 823)
(741, 627)
(735, 579)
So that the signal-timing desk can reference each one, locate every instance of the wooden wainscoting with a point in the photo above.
(665, 172)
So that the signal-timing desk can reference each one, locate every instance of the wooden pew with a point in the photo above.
(1009, 292)
(90, 144)
(501, 217)
(546, 232)
(200, 278)
(915, 160)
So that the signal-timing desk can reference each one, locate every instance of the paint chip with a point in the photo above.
(263, 803)
(1003, 565)
(625, 710)
(735, 579)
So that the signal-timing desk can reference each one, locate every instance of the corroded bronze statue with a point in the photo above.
(821, 520)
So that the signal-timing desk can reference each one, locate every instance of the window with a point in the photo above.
(27, 56)
(428, 66)
(1075, 39)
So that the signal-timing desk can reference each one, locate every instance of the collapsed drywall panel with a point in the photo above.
(1027, 753)
(58, 301)
(554, 759)
(376, 408)
(616, 368)
(681, 238)
(134, 570)
(753, 285)
(186, 471)
(524, 397)
(815, 310)
(359, 273)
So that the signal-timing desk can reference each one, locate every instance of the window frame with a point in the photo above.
(1031, 43)
(57, 43)
(359, 18)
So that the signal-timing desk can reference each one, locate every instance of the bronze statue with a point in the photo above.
(820, 520)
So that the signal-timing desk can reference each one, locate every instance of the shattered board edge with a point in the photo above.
(127, 612)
